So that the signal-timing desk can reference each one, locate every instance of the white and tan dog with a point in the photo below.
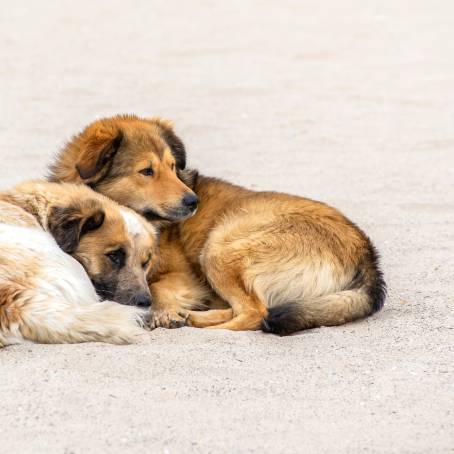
(63, 249)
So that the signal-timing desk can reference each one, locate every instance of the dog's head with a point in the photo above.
(116, 246)
(140, 163)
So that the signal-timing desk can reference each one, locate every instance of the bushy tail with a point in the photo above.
(98, 322)
(364, 296)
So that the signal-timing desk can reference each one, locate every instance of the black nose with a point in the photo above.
(142, 300)
(190, 201)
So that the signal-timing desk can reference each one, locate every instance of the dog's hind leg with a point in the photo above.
(250, 313)
(203, 319)
(224, 260)
(247, 310)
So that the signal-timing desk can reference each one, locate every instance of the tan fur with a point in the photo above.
(45, 295)
(280, 261)
(174, 285)
(143, 146)
(49, 203)
(259, 250)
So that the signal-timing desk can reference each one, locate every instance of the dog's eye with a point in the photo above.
(172, 166)
(117, 257)
(148, 172)
(145, 264)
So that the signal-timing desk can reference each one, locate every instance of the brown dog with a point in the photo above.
(281, 262)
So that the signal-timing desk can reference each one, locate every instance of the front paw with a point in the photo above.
(167, 319)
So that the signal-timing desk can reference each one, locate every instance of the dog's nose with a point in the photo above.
(142, 300)
(190, 201)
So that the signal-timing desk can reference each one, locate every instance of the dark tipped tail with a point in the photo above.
(365, 295)
(373, 279)
(283, 319)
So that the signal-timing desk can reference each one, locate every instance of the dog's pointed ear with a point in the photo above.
(69, 224)
(98, 145)
(173, 141)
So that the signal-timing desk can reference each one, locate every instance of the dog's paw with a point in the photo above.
(144, 319)
(167, 319)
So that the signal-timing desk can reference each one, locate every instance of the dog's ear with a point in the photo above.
(173, 141)
(68, 224)
(98, 145)
(188, 177)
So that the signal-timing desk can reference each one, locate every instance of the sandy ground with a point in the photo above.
(350, 102)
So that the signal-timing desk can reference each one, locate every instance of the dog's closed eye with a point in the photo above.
(117, 257)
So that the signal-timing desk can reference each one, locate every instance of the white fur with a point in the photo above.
(58, 302)
(134, 223)
(295, 282)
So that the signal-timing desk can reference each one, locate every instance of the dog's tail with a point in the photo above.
(364, 296)
(104, 321)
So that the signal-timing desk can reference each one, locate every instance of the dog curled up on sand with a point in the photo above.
(282, 263)
(61, 244)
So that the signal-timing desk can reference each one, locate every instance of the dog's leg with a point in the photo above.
(247, 311)
(243, 322)
(203, 319)
(225, 260)
(249, 316)
(173, 295)
(224, 319)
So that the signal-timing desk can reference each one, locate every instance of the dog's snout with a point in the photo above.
(142, 300)
(190, 201)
